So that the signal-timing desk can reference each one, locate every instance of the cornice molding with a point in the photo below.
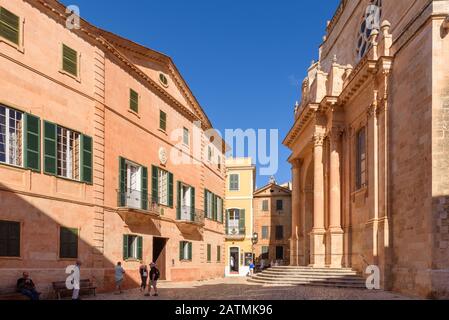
(56, 9)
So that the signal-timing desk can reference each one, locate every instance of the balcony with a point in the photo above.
(235, 233)
(189, 219)
(135, 207)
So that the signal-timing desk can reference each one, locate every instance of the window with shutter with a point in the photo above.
(162, 120)
(361, 159)
(265, 232)
(69, 154)
(209, 253)
(265, 205)
(9, 26)
(69, 60)
(9, 239)
(218, 253)
(68, 243)
(186, 136)
(185, 251)
(11, 136)
(132, 247)
(279, 232)
(279, 205)
(234, 182)
(133, 100)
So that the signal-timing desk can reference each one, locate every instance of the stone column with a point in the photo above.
(318, 246)
(335, 229)
(296, 211)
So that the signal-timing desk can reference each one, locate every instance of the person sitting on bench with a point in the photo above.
(26, 287)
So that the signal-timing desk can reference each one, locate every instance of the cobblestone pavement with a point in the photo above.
(240, 289)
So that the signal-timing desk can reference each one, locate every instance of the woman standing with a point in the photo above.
(143, 270)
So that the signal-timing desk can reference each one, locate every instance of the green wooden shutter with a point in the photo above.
(218, 253)
(242, 221)
(133, 100)
(209, 253)
(162, 120)
(205, 203)
(50, 143)
(214, 207)
(13, 239)
(144, 197)
(181, 250)
(227, 220)
(9, 26)
(190, 250)
(63, 241)
(192, 203)
(170, 190)
(74, 243)
(32, 150)
(122, 182)
(139, 248)
(221, 210)
(69, 60)
(178, 201)
(86, 159)
(125, 247)
(154, 184)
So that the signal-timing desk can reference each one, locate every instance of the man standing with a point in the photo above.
(26, 287)
(76, 281)
(119, 274)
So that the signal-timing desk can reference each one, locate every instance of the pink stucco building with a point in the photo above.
(92, 128)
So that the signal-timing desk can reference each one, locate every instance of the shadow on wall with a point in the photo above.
(39, 221)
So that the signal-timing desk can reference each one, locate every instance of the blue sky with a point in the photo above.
(242, 59)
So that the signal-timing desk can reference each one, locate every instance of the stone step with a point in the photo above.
(310, 283)
(303, 276)
(310, 268)
(352, 273)
(329, 277)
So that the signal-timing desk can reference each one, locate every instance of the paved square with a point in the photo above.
(240, 289)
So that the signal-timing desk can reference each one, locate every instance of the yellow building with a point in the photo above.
(240, 186)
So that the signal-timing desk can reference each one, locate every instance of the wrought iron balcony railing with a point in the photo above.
(134, 199)
(190, 214)
(235, 231)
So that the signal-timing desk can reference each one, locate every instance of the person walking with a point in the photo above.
(154, 277)
(76, 284)
(143, 270)
(119, 275)
(251, 268)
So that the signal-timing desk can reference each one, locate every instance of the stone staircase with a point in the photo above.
(326, 277)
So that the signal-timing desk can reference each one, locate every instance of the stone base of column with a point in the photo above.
(318, 248)
(336, 237)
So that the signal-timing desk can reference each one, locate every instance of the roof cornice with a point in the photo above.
(56, 9)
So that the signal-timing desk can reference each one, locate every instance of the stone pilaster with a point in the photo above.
(318, 234)
(296, 211)
(335, 230)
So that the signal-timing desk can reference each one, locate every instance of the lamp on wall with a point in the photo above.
(255, 238)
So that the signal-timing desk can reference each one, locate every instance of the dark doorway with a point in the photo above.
(234, 260)
(159, 255)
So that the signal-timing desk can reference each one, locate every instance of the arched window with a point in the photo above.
(370, 21)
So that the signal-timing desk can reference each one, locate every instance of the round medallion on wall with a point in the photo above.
(163, 156)
(163, 80)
